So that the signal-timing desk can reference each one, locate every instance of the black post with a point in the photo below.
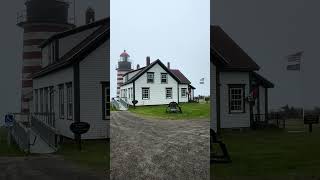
(80, 148)
(79, 141)
(310, 127)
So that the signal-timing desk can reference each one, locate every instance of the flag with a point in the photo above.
(294, 61)
(293, 67)
(202, 81)
(254, 93)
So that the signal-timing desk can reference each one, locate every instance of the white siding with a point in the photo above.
(94, 70)
(157, 90)
(54, 79)
(213, 99)
(69, 42)
(234, 120)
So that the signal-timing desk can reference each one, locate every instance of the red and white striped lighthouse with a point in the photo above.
(40, 20)
(124, 66)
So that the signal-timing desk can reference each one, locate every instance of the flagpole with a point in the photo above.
(302, 102)
(293, 59)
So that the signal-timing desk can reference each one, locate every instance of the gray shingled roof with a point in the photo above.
(231, 55)
(175, 73)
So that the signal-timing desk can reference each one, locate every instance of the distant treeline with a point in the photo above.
(295, 112)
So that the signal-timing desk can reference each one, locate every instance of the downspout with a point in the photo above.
(266, 103)
(76, 90)
(134, 90)
(178, 92)
(218, 101)
(250, 104)
(258, 101)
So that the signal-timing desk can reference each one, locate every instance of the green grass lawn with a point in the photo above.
(6, 150)
(270, 153)
(189, 111)
(94, 154)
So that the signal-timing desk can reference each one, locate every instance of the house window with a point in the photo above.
(164, 78)
(150, 77)
(236, 99)
(36, 103)
(41, 100)
(49, 54)
(132, 93)
(169, 93)
(145, 93)
(106, 101)
(46, 103)
(183, 92)
(69, 101)
(61, 101)
(51, 93)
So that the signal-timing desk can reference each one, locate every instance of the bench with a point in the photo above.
(173, 107)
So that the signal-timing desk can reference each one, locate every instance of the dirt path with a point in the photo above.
(42, 168)
(158, 149)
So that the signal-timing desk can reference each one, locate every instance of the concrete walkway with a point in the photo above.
(158, 149)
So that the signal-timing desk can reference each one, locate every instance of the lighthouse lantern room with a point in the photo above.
(124, 66)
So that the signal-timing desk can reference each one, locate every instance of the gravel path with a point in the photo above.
(158, 149)
(49, 167)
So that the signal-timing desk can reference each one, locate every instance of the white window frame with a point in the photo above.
(236, 99)
(169, 97)
(144, 90)
(36, 100)
(149, 77)
(183, 92)
(61, 101)
(69, 101)
(41, 100)
(51, 98)
(164, 76)
(46, 99)
(106, 101)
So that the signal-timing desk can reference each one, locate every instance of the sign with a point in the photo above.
(80, 127)
(8, 120)
(311, 119)
(134, 102)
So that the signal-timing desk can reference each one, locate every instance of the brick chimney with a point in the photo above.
(148, 61)
(168, 66)
(90, 15)
(138, 66)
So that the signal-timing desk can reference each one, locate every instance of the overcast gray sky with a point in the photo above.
(175, 31)
(268, 31)
(11, 48)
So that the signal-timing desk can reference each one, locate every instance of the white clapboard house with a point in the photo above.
(73, 84)
(239, 94)
(156, 84)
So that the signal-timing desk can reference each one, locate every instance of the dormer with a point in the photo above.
(50, 53)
